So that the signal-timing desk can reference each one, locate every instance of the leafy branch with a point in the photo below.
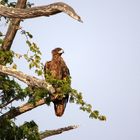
(64, 87)
(35, 58)
(76, 97)
(35, 82)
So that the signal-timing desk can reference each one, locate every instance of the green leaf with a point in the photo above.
(31, 65)
(1, 41)
(28, 43)
(102, 118)
(71, 100)
(48, 101)
(94, 114)
(29, 35)
(14, 66)
(26, 57)
(39, 72)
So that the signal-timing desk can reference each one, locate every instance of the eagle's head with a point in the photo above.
(57, 51)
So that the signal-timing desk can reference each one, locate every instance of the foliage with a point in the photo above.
(6, 57)
(11, 90)
(33, 55)
(76, 97)
(10, 131)
(36, 94)
(64, 87)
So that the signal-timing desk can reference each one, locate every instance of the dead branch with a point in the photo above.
(19, 14)
(33, 12)
(13, 27)
(29, 80)
(49, 133)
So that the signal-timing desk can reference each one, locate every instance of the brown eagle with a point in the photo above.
(58, 70)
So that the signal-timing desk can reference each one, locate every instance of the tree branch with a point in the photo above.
(13, 27)
(21, 109)
(19, 14)
(49, 133)
(4, 105)
(33, 12)
(29, 80)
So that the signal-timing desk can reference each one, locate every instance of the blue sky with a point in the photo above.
(103, 57)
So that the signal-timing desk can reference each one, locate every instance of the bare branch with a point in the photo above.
(49, 133)
(19, 14)
(21, 109)
(29, 80)
(13, 27)
(33, 12)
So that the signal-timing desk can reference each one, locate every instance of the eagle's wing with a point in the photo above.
(47, 68)
(65, 71)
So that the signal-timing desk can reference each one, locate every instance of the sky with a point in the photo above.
(102, 54)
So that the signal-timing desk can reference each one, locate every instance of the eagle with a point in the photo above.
(58, 70)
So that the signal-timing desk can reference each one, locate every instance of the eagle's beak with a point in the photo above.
(61, 52)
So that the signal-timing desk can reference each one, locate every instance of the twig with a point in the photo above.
(4, 105)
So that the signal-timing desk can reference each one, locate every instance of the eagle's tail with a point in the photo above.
(59, 106)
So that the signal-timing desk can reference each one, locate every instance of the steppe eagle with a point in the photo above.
(58, 69)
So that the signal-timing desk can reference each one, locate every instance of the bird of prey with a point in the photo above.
(58, 69)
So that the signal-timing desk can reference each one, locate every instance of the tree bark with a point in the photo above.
(13, 27)
(19, 14)
(49, 133)
(33, 12)
(27, 79)
(21, 109)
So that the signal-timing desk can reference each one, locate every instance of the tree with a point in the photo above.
(37, 90)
